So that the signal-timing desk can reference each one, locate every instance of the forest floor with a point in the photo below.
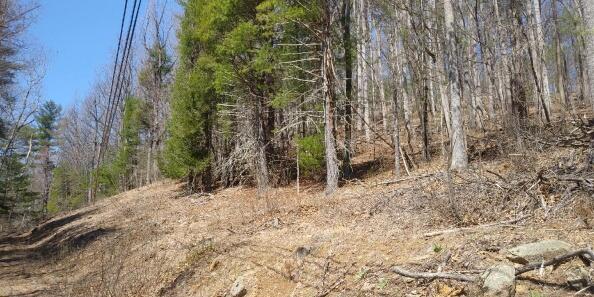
(155, 241)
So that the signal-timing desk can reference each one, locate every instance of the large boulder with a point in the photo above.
(538, 251)
(499, 281)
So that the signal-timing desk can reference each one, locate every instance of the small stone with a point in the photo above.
(302, 251)
(538, 251)
(276, 223)
(238, 289)
(500, 281)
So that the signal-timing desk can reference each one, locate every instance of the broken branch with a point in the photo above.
(557, 260)
(454, 230)
(434, 275)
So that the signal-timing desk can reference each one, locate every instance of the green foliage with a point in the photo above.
(363, 271)
(382, 283)
(68, 190)
(187, 151)
(437, 248)
(230, 55)
(158, 65)
(15, 195)
(311, 152)
(117, 175)
(188, 148)
(47, 121)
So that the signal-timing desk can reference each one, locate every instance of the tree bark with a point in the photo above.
(459, 158)
(398, 90)
(348, 126)
(588, 15)
(541, 64)
(328, 84)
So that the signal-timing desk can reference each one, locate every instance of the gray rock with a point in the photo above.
(238, 289)
(538, 251)
(579, 278)
(500, 281)
(276, 223)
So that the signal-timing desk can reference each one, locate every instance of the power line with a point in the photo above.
(114, 98)
(127, 58)
(115, 95)
(117, 57)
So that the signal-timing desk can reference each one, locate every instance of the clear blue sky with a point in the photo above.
(78, 38)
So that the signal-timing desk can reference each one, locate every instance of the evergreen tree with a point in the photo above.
(47, 120)
(127, 158)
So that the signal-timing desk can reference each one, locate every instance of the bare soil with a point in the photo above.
(155, 241)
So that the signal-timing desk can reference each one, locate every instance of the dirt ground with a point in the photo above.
(154, 241)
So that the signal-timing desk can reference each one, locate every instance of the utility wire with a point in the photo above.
(117, 57)
(97, 153)
(115, 95)
(127, 58)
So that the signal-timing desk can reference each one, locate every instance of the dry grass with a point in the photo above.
(306, 244)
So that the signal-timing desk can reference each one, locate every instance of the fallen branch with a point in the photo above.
(414, 177)
(434, 275)
(557, 260)
(454, 230)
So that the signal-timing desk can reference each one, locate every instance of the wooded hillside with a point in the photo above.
(272, 93)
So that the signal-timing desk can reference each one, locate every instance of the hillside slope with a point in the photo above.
(154, 241)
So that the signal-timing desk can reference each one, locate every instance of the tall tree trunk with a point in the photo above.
(360, 65)
(366, 68)
(541, 64)
(348, 126)
(398, 90)
(380, 82)
(328, 81)
(559, 60)
(260, 160)
(459, 158)
(588, 16)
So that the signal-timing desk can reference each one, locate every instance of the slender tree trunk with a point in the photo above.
(459, 158)
(397, 83)
(328, 81)
(348, 126)
(445, 102)
(379, 69)
(366, 68)
(588, 15)
(559, 57)
(260, 160)
(149, 160)
(542, 65)
(360, 65)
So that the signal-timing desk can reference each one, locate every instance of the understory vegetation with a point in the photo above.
(275, 93)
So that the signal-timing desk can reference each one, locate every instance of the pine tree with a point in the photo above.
(127, 157)
(47, 120)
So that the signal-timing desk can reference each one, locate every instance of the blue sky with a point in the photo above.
(78, 39)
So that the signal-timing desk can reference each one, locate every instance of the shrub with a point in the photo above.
(311, 155)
